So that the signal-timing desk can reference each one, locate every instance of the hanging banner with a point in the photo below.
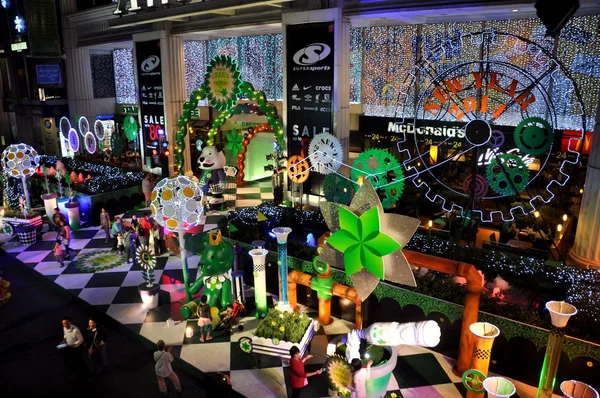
(152, 110)
(310, 53)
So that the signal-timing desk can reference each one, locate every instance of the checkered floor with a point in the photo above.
(254, 193)
(420, 372)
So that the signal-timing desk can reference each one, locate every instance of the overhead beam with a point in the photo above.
(189, 10)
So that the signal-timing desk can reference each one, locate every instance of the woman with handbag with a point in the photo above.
(96, 345)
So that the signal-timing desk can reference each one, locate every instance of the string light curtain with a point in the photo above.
(103, 75)
(389, 53)
(194, 55)
(125, 86)
(356, 60)
(579, 51)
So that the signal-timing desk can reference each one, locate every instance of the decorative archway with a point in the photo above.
(223, 87)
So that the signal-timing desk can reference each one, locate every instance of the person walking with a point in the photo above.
(147, 189)
(359, 378)
(117, 227)
(204, 319)
(96, 343)
(164, 370)
(298, 377)
(73, 351)
(65, 234)
(130, 238)
(105, 224)
(144, 230)
(57, 217)
(57, 251)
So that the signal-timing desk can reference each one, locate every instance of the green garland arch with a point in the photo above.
(244, 88)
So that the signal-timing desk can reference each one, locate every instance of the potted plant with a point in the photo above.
(148, 290)
(280, 330)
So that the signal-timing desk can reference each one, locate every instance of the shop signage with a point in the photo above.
(139, 5)
(149, 71)
(127, 109)
(18, 47)
(48, 74)
(310, 87)
(223, 82)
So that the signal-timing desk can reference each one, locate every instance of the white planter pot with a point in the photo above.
(260, 345)
(149, 295)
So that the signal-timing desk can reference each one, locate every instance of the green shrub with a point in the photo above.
(283, 326)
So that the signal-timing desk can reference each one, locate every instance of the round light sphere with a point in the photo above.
(177, 203)
(20, 160)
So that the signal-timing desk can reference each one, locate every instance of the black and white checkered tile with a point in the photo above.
(420, 372)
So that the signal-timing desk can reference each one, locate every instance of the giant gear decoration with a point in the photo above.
(507, 173)
(384, 172)
(338, 189)
(325, 153)
(462, 115)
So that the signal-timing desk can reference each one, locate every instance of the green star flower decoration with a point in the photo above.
(365, 241)
(223, 82)
(234, 142)
(362, 242)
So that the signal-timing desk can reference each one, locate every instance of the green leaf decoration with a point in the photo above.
(234, 142)
(362, 242)
(130, 126)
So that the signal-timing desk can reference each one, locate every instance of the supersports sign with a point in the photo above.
(445, 95)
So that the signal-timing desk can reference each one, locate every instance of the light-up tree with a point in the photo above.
(177, 206)
(20, 161)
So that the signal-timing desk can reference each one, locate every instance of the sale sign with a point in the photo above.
(151, 92)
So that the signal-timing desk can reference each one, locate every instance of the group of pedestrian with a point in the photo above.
(63, 237)
(76, 347)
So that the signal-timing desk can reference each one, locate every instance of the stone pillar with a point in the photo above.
(174, 92)
(585, 253)
(77, 64)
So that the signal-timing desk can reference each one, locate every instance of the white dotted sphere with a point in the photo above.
(19, 160)
(177, 203)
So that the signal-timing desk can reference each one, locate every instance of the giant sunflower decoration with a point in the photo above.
(339, 375)
(145, 257)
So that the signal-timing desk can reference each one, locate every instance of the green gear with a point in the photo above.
(534, 136)
(338, 189)
(130, 127)
(226, 97)
(517, 172)
(473, 381)
(381, 163)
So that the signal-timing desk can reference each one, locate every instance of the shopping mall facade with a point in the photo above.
(376, 59)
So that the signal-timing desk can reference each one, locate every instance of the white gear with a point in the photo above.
(325, 153)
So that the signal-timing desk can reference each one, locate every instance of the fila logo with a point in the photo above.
(296, 108)
(311, 54)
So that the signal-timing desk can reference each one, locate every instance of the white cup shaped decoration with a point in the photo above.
(577, 389)
(560, 313)
(484, 330)
(498, 387)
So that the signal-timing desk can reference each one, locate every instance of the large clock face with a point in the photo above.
(325, 153)
(483, 130)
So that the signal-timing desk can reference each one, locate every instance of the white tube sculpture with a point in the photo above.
(424, 334)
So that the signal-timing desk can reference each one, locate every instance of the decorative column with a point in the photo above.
(238, 277)
(77, 64)
(585, 253)
(560, 313)
(282, 235)
(174, 92)
(577, 389)
(484, 334)
(260, 281)
(498, 387)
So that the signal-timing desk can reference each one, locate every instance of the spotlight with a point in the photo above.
(269, 157)
(165, 144)
(268, 168)
(565, 217)
(536, 214)
(272, 235)
(167, 152)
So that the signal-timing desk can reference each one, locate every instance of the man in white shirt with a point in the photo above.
(74, 351)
